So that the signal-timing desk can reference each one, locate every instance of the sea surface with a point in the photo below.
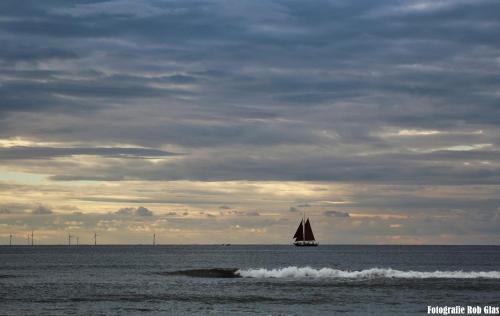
(245, 280)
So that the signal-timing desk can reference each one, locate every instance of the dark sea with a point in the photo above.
(245, 280)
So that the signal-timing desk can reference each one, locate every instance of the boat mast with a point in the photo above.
(304, 227)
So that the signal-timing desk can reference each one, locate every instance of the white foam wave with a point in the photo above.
(308, 272)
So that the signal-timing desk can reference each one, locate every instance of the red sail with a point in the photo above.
(309, 232)
(299, 234)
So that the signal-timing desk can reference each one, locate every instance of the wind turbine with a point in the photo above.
(95, 239)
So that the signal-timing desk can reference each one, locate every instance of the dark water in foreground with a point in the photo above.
(240, 280)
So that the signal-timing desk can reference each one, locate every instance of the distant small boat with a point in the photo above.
(304, 236)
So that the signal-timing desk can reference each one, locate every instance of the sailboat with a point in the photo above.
(304, 236)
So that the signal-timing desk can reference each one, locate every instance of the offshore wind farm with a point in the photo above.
(71, 240)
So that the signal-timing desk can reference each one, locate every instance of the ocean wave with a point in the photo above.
(206, 273)
(308, 272)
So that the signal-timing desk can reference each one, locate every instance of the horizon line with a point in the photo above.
(237, 244)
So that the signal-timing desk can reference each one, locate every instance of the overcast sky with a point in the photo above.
(223, 121)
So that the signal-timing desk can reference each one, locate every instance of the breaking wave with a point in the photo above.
(328, 273)
(206, 273)
(308, 272)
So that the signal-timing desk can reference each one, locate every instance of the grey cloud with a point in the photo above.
(179, 79)
(42, 210)
(111, 8)
(415, 168)
(69, 208)
(295, 91)
(92, 177)
(20, 152)
(140, 211)
(12, 208)
(177, 200)
(293, 209)
(407, 202)
(233, 212)
(252, 213)
(125, 211)
(11, 54)
(332, 213)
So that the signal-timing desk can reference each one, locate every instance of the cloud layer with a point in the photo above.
(358, 94)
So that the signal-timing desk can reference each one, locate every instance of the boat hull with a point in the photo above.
(305, 244)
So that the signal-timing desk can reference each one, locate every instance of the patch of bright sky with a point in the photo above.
(335, 202)
(413, 132)
(22, 177)
(18, 141)
(468, 147)
(391, 132)
(31, 178)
